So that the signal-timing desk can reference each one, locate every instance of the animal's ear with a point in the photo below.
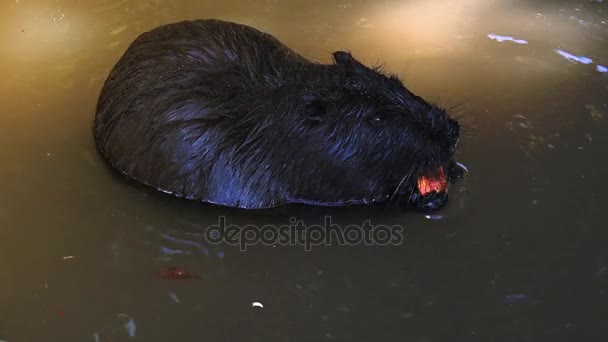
(314, 108)
(345, 60)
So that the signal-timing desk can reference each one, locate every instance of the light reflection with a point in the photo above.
(421, 30)
(501, 39)
(573, 58)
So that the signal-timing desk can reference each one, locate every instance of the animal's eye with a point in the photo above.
(377, 120)
(315, 111)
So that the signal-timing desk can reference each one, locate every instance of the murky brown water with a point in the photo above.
(521, 253)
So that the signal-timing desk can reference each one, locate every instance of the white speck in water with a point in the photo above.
(130, 325)
(257, 305)
(67, 257)
(118, 30)
(96, 337)
(601, 68)
(595, 114)
(407, 315)
(48, 154)
(433, 217)
(173, 297)
(550, 145)
(364, 23)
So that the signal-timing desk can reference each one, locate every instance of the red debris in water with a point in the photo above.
(437, 182)
(176, 273)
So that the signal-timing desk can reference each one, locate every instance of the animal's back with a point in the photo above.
(187, 54)
(154, 108)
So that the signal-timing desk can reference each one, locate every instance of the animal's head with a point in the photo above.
(372, 138)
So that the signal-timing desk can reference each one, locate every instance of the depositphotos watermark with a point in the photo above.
(296, 233)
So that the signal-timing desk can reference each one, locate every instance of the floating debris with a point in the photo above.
(130, 325)
(202, 248)
(515, 297)
(525, 122)
(601, 68)
(113, 45)
(118, 30)
(501, 39)
(176, 273)
(257, 305)
(173, 297)
(67, 257)
(573, 58)
(364, 23)
(170, 251)
(595, 114)
(96, 337)
(581, 21)
(433, 217)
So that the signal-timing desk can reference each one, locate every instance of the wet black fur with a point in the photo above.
(226, 114)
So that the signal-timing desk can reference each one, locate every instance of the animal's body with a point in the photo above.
(223, 113)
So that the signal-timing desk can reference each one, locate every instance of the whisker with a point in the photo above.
(409, 198)
(449, 109)
(403, 181)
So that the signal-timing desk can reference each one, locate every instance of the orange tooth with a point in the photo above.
(437, 182)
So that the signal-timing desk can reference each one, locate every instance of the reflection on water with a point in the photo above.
(519, 254)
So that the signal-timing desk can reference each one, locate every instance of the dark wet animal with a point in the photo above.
(223, 113)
